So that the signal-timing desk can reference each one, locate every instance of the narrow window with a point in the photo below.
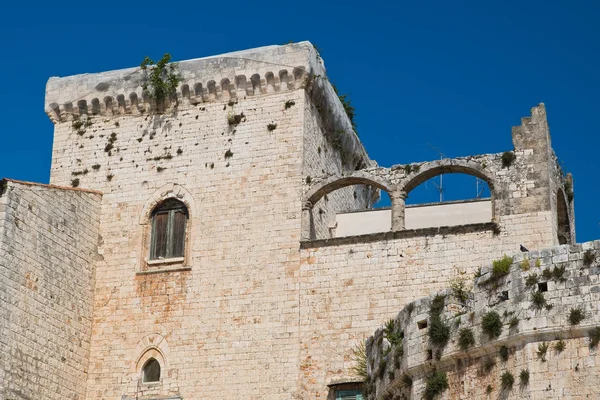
(151, 371)
(348, 395)
(168, 230)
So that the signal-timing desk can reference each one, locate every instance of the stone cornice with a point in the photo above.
(228, 76)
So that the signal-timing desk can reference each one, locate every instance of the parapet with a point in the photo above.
(530, 300)
(232, 75)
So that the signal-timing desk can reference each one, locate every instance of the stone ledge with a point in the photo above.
(405, 234)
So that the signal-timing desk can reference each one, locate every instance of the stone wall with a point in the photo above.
(226, 317)
(566, 277)
(350, 285)
(48, 240)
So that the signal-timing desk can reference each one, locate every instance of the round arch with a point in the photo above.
(337, 182)
(170, 190)
(446, 166)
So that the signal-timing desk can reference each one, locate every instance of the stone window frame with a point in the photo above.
(336, 390)
(148, 265)
(155, 353)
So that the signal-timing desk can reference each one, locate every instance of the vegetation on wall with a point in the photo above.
(508, 158)
(466, 338)
(359, 356)
(507, 380)
(160, 78)
(435, 385)
(439, 331)
(491, 324)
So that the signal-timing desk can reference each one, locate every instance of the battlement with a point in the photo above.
(533, 299)
(227, 76)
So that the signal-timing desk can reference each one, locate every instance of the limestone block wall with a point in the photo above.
(48, 243)
(226, 317)
(348, 286)
(559, 354)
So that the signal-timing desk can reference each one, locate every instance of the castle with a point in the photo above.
(224, 247)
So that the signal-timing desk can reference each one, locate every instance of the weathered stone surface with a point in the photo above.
(264, 304)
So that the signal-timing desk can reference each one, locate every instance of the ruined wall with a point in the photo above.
(350, 285)
(48, 240)
(226, 317)
(529, 340)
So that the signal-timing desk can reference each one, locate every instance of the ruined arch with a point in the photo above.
(338, 182)
(563, 222)
(446, 166)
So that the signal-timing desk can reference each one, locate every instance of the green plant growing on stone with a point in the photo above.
(271, 127)
(459, 289)
(407, 169)
(160, 78)
(589, 257)
(348, 108)
(466, 338)
(576, 315)
(531, 280)
(359, 356)
(538, 263)
(393, 333)
(514, 321)
(542, 350)
(525, 264)
(538, 301)
(228, 154)
(507, 381)
(109, 177)
(289, 104)
(569, 190)
(437, 304)
(478, 273)
(558, 273)
(508, 158)
(560, 346)
(547, 273)
(488, 364)
(489, 389)
(75, 182)
(410, 307)
(235, 119)
(501, 267)
(435, 385)
(524, 377)
(503, 353)
(594, 337)
(439, 331)
(96, 167)
(491, 324)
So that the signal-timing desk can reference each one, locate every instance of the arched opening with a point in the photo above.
(167, 239)
(448, 196)
(349, 206)
(151, 371)
(255, 81)
(563, 224)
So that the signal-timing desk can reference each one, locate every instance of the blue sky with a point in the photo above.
(452, 75)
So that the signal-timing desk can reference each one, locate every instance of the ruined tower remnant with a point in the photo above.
(224, 245)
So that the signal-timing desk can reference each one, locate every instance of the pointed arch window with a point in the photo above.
(169, 221)
(151, 371)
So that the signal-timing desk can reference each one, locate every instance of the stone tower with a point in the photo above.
(252, 289)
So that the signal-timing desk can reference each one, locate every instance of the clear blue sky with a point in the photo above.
(453, 74)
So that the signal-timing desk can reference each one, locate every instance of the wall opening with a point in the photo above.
(151, 371)
(449, 199)
(351, 210)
